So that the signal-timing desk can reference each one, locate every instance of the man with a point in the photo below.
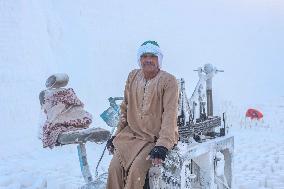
(148, 124)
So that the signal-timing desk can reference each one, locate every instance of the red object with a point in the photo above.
(254, 114)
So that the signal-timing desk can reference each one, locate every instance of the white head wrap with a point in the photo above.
(150, 47)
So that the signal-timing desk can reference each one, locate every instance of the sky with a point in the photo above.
(245, 38)
(95, 42)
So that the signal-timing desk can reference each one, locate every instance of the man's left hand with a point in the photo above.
(158, 155)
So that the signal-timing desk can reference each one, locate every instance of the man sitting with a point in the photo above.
(148, 122)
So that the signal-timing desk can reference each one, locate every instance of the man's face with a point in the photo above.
(149, 62)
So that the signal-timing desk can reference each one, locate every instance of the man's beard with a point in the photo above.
(149, 74)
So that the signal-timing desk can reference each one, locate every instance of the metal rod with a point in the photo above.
(112, 102)
(84, 163)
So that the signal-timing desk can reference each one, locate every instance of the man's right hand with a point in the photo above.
(110, 145)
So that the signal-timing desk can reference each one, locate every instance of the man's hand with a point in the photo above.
(158, 155)
(110, 145)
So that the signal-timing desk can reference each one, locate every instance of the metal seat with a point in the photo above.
(97, 135)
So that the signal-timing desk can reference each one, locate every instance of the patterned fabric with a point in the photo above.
(65, 112)
(64, 96)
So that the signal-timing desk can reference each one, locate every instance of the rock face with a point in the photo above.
(25, 60)
(35, 41)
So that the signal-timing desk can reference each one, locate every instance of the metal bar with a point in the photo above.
(84, 163)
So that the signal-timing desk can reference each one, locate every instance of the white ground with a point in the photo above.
(258, 160)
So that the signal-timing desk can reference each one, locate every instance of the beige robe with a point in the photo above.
(148, 115)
